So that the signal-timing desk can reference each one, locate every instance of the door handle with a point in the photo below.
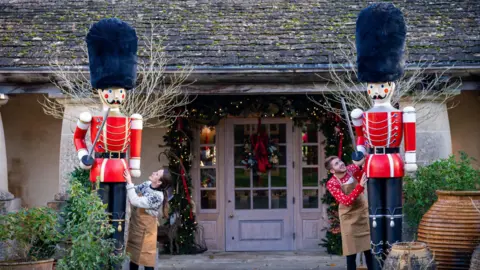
(230, 216)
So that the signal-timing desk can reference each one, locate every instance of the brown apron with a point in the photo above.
(142, 238)
(354, 222)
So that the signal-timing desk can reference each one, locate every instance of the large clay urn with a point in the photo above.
(451, 228)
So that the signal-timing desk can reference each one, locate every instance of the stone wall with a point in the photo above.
(433, 131)
(433, 139)
(32, 144)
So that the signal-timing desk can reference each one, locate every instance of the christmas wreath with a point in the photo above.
(261, 152)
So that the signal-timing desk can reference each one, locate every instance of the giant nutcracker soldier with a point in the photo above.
(112, 49)
(380, 41)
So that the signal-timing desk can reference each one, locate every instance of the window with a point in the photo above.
(260, 191)
(310, 167)
(208, 168)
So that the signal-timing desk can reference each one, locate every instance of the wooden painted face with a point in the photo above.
(112, 97)
(381, 92)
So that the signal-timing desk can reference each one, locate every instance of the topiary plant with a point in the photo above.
(449, 174)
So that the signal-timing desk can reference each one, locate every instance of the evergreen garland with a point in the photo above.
(333, 240)
(208, 111)
(178, 140)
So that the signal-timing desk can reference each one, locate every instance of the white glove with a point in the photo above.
(83, 166)
(411, 162)
(81, 154)
(411, 167)
(135, 173)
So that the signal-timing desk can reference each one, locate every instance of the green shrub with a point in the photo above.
(34, 231)
(446, 174)
(81, 176)
(87, 227)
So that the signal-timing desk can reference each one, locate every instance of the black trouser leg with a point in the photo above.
(118, 201)
(133, 266)
(394, 216)
(114, 195)
(351, 262)
(104, 192)
(376, 208)
(368, 259)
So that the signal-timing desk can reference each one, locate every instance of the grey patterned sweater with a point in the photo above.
(151, 199)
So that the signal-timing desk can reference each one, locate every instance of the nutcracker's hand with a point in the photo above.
(135, 173)
(411, 167)
(86, 162)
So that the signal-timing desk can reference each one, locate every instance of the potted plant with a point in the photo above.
(441, 201)
(31, 236)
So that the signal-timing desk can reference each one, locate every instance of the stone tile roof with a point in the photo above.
(233, 33)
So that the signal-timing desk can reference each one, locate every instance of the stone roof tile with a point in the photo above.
(234, 32)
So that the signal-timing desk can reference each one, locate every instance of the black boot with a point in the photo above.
(376, 203)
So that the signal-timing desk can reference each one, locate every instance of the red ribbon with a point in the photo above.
(259, 143)
(340, 145)
(340, 139)
(184, 180)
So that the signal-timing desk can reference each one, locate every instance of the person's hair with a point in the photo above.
(328, 162)
(166, 184)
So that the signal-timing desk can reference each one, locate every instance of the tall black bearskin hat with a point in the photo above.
(112, 54)
(380, 40)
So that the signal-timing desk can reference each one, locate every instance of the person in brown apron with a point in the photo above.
(146, 200)
(352, 209)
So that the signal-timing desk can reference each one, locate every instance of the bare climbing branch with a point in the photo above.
(416, 85)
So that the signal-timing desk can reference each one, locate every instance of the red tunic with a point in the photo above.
(116, 137)
(335, 188)
(385, 130)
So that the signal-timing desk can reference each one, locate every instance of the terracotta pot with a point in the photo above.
(409, 256)
(475, 264)
(451, 228)
(37, 265)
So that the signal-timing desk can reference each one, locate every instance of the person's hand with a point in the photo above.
(364, 180)
(127, 176)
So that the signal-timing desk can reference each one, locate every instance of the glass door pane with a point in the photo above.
(254, 190)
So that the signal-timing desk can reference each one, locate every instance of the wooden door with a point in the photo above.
(259, 208)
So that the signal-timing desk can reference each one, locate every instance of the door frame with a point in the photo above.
(292, 188)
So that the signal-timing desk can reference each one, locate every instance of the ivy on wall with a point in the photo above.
(208, 110)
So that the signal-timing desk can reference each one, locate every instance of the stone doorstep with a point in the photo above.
(252, 260)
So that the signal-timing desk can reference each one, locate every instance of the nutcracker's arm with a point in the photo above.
(135, 144)
(81, 130)
(409, 129)
(357, 120)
